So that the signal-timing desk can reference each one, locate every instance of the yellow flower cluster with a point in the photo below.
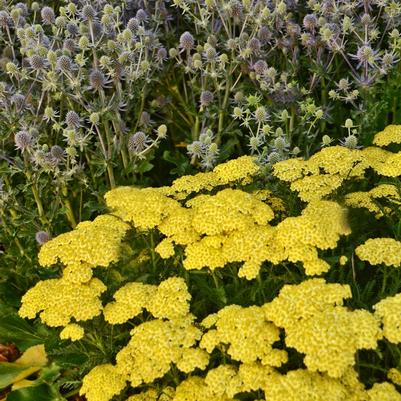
(319, 227)
(378, 251)
(156, 344)
(368, 200)
(383, 392)
(395, 376)
(247, 334)
(57, 301)
(72, 332)
(145, 208)
(130, 300)
(240, 170)
(169, 300)
(323, 173)
(304, 385)
(92, 244)
(102, 383)
(195, 389)
(328, 334)
(390, 134)
(82, 244)
(167, 394)
(388, 310)
(233, 226)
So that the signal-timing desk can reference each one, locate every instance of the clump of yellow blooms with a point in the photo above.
(79, 249)
(388, 310)
(209, 222)
(237, 171)
(368, 200)
(102, 383)
(169, 300)
(380, 251)
(130, 300)
(156, 344)
(57, 301)
(247, 334)
(395, 376)
(304, 385)
(391, 134)
(72, 331)
(383, 392)
(328, 334)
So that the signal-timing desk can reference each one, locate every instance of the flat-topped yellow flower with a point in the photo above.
(378, 251)
(390, 134)
(91, 244)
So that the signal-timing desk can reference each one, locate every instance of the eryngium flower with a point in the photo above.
(161, 54)
(310, 22)
(186, 41)
(47, 15)
(206, 98)
(254, 44)
(5, 19)
(88, 12)
(72, 119)
(57, 153)
(42, 237)
(37, 62)
(97, 80)
(64, 63)
(141, 15)
(72, 28)
(260, 67)
(137, 142)
(235, 9)
(133, 24)
(196, 148)
(23, 140)
(69, 44)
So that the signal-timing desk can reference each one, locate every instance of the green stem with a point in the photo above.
(110, 171)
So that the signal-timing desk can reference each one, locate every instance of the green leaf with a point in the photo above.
(42, 392)
(12, 373)
(21, 333)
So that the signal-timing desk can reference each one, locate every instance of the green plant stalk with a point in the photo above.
(123, 151)
(223, 108)
(67, 204)
(16, 240)
(110, 171)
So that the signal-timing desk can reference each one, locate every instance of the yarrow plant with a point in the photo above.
(265, 265)
(291, 305)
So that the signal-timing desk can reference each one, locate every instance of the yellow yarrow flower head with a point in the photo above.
(223, 380)
(102, 383)
(195, 389)
(79, 249)
(383, 392)
(395, 376)
(388, 310)
(304, 300)
(391, 167)
(302, 384)
(73, 332)
(330, 338)
(247, 333)
(145, 208)
(378, 251)
(171, 300)
(154, 345)
(130, 300)
(57, 301)
(390, 134)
